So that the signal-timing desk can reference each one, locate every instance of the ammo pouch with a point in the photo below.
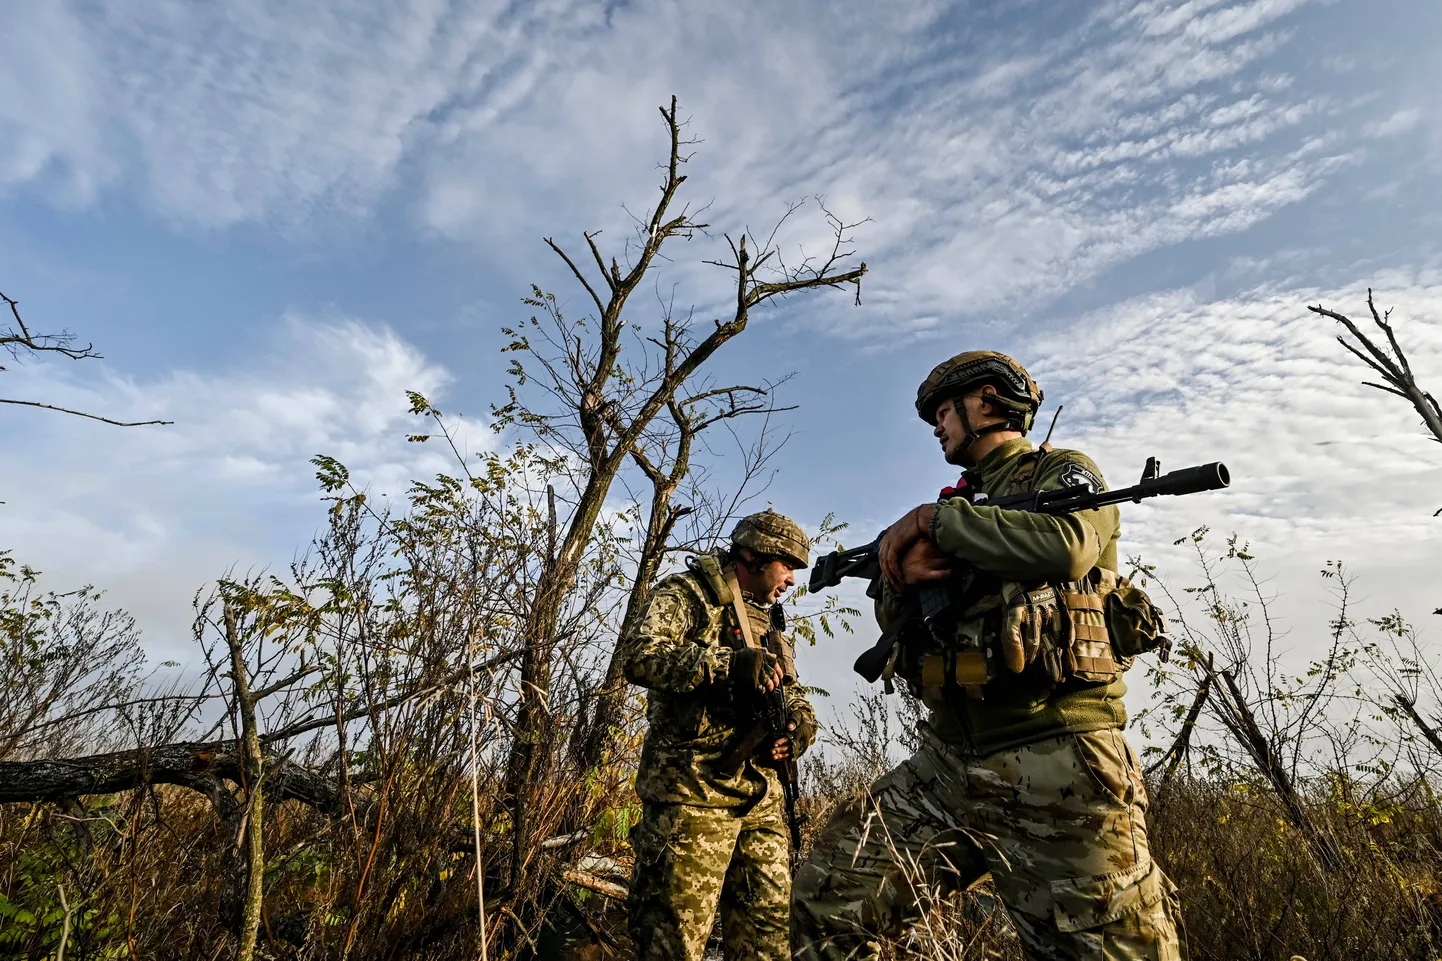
(1090, 629)
(969, 661)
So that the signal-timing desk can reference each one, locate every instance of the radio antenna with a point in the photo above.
(1059, 409)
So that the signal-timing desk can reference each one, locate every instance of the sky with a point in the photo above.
(273, 219)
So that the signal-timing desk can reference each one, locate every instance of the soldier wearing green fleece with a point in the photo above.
(1023, 770)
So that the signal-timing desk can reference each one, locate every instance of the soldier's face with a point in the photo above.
(950, 431)
(768, 582)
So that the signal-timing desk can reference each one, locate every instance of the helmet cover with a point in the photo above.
(773, 535)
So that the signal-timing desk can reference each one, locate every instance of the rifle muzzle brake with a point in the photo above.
(1191, 480)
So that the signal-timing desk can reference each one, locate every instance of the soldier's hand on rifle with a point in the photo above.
(914, 525)
(925, 563)
(754, 671)
(781, 750)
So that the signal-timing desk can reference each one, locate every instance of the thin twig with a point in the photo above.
(81, 413)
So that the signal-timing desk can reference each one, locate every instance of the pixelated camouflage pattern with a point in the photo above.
(678, 653)
(692, 861)
(1059, 823)
(768, 532)
(704, 841)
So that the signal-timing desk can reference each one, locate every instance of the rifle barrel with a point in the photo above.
(1188, 480)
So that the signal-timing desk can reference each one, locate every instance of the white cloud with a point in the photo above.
(1323, 467)
(997, 172)
(152, 513)
(1398, 122)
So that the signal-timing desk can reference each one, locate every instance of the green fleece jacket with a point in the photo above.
(1021, 546)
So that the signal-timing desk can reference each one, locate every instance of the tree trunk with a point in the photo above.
(253, 770)
(534, 730)
(604, 727)
(198, 765)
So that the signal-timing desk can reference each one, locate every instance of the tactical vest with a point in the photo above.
(742, 624)
(1088, 630)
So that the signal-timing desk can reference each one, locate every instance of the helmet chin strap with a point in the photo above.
(974, 434)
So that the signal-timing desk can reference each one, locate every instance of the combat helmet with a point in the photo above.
(773, 535)
(1016, 393)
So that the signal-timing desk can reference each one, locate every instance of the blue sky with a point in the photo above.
(274, 218)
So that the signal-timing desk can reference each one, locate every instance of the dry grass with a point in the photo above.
(1250, 889)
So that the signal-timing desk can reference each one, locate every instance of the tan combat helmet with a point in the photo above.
(773, 535)
(1016, 393)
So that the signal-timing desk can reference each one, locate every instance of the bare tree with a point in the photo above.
(603, 410)
(1392, 364)
(463, 641)
(1235, 669)
(253, 771)
(19, 340)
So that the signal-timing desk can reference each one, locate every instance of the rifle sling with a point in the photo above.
(738, 606)
(872, 661)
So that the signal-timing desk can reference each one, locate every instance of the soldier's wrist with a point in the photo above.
(721, 666)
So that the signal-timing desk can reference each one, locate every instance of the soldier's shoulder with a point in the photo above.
(682, 585)
(1065, 467)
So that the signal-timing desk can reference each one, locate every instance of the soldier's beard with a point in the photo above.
(960, 455)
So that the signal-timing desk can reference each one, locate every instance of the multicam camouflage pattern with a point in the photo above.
(679, 654)
(1029, 549)
(691, 860)
(770, 533)
(1028, 776)
(704, 839)
(1015, 389)
(1059, 823)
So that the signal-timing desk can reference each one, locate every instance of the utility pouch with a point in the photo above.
(1088, 656)
(1137, 626)
(779, 644)
(1112, 621)
(969, 661)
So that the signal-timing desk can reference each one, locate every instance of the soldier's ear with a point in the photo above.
(986, 394)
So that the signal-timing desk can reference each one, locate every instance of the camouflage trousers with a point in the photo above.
(1059, 824)
(691, 860)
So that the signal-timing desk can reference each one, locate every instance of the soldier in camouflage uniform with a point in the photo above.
(1023, 770)
(709, 837)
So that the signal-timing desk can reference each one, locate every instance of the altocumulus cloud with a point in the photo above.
(151, 513)
(1003, 156)
(1323, 467)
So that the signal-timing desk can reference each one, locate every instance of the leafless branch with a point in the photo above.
(1394, 367)
(20, 338)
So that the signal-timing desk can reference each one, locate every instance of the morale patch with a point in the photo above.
(1075, 475)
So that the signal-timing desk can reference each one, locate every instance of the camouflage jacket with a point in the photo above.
(1015, 545)
(680, 654)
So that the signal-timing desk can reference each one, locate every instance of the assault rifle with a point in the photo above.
(936, 599)
(769, 721)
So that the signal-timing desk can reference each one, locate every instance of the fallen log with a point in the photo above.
(195, 765)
